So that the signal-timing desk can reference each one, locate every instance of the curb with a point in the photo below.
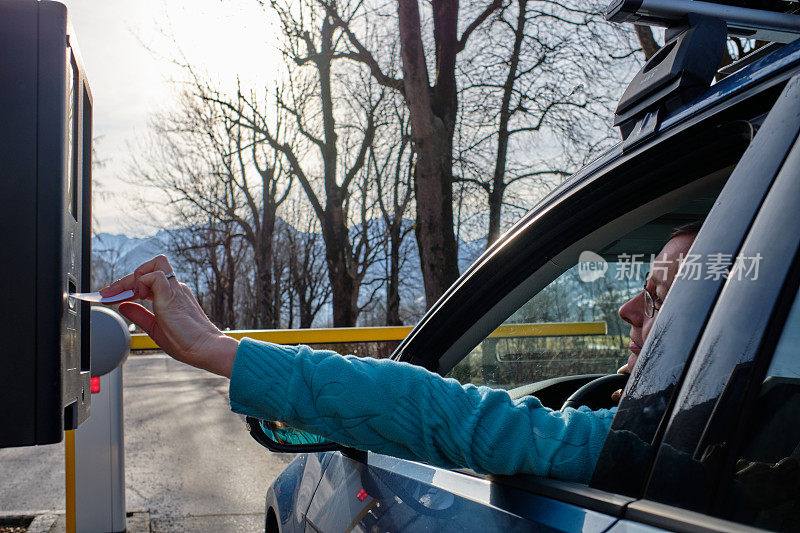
(36, 521)
(43, 523)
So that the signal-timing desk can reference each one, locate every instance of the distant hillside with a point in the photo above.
(117, 255)
(127, 253)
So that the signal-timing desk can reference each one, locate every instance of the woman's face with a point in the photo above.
(662, 273)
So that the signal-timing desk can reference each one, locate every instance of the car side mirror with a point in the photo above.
(279, 437)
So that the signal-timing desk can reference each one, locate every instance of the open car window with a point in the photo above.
(569, 328)
(568, 331)
(629, 207)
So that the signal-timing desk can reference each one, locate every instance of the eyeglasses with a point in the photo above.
(649, 302)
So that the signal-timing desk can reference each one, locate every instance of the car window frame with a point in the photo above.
(477, 303)
(767, 299)
(645, 410)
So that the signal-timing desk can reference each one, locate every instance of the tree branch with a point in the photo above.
(491, 8)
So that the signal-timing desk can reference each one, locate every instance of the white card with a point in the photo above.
(96, 297)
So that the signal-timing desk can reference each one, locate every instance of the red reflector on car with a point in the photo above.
(95, 384)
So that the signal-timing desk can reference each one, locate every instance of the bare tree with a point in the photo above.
(107, 263)
(438, 48)
(537, 94)
(202, 245)
(337, 130)
(205, 166)
(432, 112)
(257, 220)
(307, 274)
(393, 165)
(212, 253)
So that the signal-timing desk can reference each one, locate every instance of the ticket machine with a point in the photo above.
(45, 224)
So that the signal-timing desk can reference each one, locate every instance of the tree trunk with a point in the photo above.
(230, 283)
(498, 186)
(647, 40)
(304, 305)
(264, 257)
(432, 115)
(393, 283)
(277, 294)
(495, 212)
(264, 288)
(344, 288)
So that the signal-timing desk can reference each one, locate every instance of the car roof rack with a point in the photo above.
(748, 58)
(685, 66)
(746, 22)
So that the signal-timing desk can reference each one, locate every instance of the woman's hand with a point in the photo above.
(177, 323)
(624, 369)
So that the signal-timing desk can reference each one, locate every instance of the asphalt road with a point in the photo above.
(189, 461)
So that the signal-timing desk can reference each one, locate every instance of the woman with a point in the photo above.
(387, 406)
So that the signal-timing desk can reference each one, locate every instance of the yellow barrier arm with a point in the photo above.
(141, 341)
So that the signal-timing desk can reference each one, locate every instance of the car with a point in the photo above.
(706, 436)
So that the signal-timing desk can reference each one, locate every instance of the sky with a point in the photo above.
(127, 51)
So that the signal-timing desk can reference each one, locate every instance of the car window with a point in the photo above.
(570, 327)
(764, 489)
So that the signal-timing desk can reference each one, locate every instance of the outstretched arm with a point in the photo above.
(379, 405)
(405, 411)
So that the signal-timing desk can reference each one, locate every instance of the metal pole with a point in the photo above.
(69, 468)
(100, 458)
(100, 461)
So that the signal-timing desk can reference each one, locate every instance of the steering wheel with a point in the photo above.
(597, 393)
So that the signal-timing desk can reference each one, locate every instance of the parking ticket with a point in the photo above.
(97, 297)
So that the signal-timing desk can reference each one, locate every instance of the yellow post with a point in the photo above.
(69, 446)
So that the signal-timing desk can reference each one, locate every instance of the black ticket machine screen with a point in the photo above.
(45, 224)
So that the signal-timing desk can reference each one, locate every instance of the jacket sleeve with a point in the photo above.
(405, 411)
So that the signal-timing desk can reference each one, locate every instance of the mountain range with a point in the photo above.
(115, 255)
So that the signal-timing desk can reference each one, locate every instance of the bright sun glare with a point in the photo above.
(129, 49)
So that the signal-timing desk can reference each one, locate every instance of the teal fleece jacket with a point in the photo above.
(406, 411)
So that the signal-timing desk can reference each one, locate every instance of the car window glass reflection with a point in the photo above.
(764, 488)
(283, 434)
(571, 327)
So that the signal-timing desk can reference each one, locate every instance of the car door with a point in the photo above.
(641, 419)
(380, 493)
(606, 204)
(730, 447)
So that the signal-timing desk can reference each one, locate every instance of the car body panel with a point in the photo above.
(713, 396)
(390, 494)
(627, 526)
(351, 491)
(289, 496)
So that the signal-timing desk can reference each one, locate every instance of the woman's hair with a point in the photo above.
(692, 228)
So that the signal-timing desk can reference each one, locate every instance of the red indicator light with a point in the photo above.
(95, 385)
(362, 495)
